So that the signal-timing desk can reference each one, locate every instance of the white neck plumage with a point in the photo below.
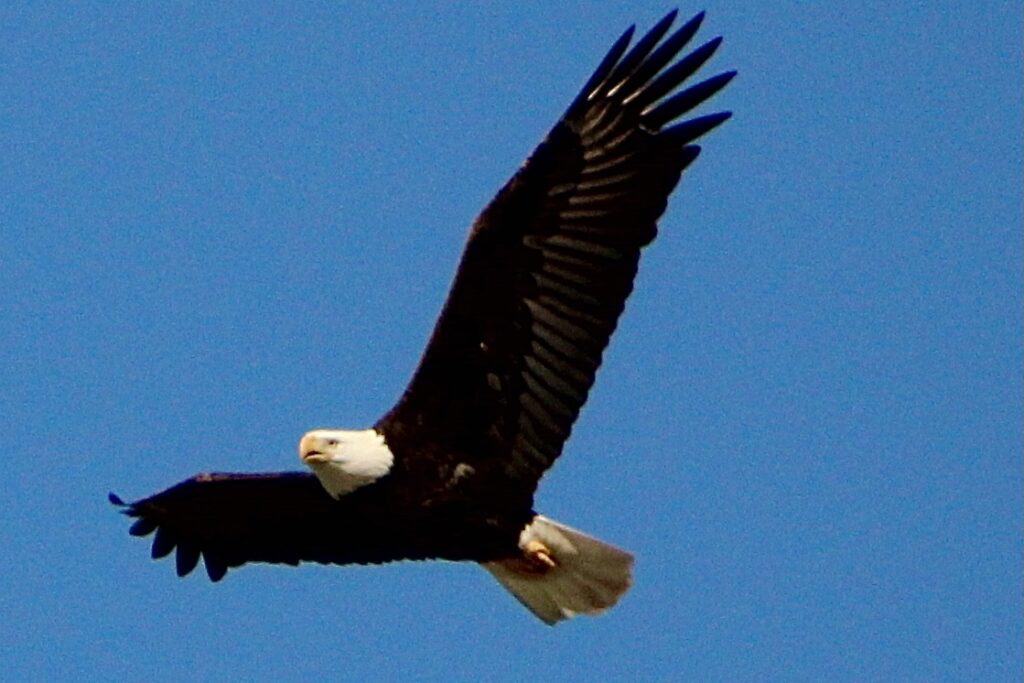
(345, 460)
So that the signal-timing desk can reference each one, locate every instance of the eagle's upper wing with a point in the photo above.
(550, 262)
(282, 518)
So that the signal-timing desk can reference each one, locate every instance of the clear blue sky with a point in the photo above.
(220, 227)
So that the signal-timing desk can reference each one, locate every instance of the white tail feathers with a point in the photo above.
(585, 576)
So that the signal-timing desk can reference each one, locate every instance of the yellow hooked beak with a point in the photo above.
(311, 449)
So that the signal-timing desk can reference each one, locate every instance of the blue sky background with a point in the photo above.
(222, 226)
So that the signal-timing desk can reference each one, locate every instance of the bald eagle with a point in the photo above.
(450, 471)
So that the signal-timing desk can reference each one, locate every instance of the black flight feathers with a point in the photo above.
(165, 541)
(630, 77)
(228, 519)
(552, 259)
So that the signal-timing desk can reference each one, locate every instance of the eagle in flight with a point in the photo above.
(450, 471)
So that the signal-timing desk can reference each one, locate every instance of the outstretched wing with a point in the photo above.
(550, 262)
(281, 518)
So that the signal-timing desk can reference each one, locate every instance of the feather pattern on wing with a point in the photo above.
(279, 518)
(550, 262)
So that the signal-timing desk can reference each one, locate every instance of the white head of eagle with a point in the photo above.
(344, 460)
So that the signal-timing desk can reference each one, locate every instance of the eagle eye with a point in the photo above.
(332, 442)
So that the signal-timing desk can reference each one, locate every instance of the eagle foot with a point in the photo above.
(539, 557)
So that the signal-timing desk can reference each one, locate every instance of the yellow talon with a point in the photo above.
(539, 554)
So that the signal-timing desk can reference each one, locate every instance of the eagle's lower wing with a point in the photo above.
(281, 518)
(550, 262)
